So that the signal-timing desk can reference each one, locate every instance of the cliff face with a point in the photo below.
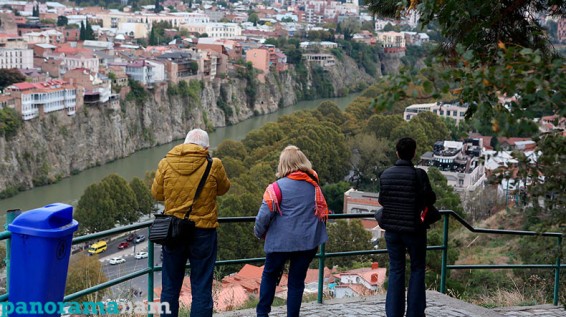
(56, 146)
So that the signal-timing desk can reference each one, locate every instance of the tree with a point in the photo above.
(105, 204)
(334, 194)
(95, 210)
(145, 201)
(10, 122)
(433, 126)
(10, 76)
(371, 156)
(382, 125)
(347, 235)
(349, 27)
(62, 20)
(35, 11)
(231, 148)
(125, 205)
(89, 33)
(82, 33)
(253, 18)
(85, 272)
(152, 38)
(482, 28)
(158, 7)
(446, 197)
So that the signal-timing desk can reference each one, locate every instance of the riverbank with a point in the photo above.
(69, 190)
(48, 149)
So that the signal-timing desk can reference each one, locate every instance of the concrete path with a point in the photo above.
(438, 305)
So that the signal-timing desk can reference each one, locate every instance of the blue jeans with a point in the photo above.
(201, 253)
(397, 245)
(274, 265)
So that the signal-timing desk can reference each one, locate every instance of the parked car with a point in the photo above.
(140, 238)
(131, 237)
(117, 260)
(123, 245)
(141, 255)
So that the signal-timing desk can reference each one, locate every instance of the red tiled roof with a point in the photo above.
(368, 224)
(251, 271)
(42, 85)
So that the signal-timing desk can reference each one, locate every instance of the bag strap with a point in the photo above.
(200, 185)
(277, 191)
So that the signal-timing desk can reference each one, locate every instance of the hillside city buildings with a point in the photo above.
(204, 42)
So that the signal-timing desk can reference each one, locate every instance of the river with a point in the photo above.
(71, 188)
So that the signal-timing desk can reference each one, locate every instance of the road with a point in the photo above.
(131, 265)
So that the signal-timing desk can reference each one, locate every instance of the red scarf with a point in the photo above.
(320, 206)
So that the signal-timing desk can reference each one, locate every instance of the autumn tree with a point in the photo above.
(85, 272)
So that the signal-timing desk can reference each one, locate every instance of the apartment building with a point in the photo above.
(145, 72)
(454, 111)
(97, 88)
(322, 60)
(16, 58)
(458, 161)
(33, 100)
(393, 42)
(14, 52)
(265, 57)
(214, 30)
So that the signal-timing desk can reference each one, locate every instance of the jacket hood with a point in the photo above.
(185, 159)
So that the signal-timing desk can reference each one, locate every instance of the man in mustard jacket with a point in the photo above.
(175, 183)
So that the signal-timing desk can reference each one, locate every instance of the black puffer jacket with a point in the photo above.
(398, 196)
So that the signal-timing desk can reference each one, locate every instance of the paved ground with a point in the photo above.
(438, 305)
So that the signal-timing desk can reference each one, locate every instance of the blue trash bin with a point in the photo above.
(41, 247)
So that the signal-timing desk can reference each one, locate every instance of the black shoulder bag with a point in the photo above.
(429, 214)
(168, 229)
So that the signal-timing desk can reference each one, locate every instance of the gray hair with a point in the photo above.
(197, 136)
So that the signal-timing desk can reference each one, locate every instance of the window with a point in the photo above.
(448, 112)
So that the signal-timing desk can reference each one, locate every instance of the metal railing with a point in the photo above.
(322, 255)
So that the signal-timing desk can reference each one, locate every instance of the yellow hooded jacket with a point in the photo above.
(177, 179)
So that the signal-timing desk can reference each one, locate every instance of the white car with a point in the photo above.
(117, 260)
(141, 255)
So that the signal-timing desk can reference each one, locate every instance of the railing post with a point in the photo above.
(444, 255)
(321, 272)
(557, 272)
(150, 259)
(10, 216)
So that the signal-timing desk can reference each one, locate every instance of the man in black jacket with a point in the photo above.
(402, 203)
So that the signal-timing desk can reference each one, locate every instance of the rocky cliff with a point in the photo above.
(55, 146)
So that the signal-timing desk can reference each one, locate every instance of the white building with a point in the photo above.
(16, 58)
(145, 72)
(445, 110)
(214, 30)
(458, 161)
(35, 99)
(360, 282)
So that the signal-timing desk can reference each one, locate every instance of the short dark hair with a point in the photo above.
(406, 148)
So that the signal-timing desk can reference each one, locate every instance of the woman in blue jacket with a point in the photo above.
(292, 220)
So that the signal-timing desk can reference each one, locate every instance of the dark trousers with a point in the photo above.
(201, 253)
(397, 245)
(274, 264)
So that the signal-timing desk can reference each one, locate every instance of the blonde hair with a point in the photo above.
(292, 160)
